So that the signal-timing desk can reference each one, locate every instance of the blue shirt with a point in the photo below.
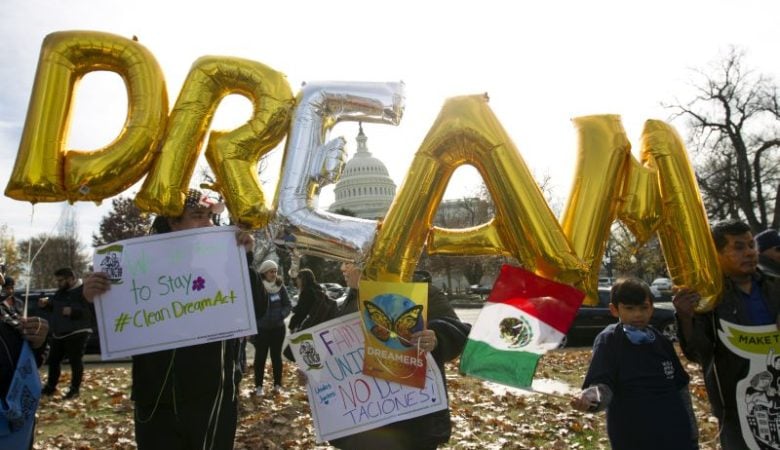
(755, 304)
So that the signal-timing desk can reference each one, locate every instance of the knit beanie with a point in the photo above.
(267, 265)
(767, 239)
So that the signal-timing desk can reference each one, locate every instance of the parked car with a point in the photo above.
(333, 290)
(664, 285)
(590, 320)
(33, 310)
(481, 290)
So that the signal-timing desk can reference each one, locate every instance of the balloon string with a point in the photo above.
(31, 260)
(29, 266)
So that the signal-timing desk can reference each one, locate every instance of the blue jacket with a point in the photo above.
(277, 308)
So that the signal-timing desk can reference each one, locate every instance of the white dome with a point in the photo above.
(365, 187)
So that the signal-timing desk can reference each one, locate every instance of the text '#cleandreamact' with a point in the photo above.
(177, 309)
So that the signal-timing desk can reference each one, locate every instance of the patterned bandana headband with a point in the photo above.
(197, 200)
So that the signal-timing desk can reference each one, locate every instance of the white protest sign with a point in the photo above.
(343, 401)
(756, 394)
(173, 290)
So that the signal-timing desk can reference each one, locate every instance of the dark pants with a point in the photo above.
(73, 347)
(731, 434)
(269, 340)
(188, 426)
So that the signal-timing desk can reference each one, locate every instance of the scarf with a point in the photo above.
(271, 287)
(638, 335)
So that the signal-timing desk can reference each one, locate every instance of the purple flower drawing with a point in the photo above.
(198, 284)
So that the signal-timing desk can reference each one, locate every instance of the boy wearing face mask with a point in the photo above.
(636, 376)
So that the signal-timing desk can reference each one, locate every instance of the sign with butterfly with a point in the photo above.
(343, 399)
(391, 313)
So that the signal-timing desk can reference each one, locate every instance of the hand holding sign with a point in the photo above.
(176, 289)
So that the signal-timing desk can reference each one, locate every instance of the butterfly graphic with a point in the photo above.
(401, 328)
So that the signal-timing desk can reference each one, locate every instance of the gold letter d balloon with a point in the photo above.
(45, 171)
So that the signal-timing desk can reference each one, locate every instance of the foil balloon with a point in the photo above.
(641, 209)
(479, 240)
(45, 171)
(311, 161)
(467, 132)
(690, 253)
(602, 152)
(232, 155)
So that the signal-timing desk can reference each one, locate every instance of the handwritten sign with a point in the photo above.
(343, 400)
(173, 290)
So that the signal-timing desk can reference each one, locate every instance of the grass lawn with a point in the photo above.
(485, 416)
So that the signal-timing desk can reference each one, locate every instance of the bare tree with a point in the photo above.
(9, 253)
(124, 221)
(627, 257)
(58, 251)
(55, 251)
(734, 120)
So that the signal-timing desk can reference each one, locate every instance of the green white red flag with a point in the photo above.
(524, 317)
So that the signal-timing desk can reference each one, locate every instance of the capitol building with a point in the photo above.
(365, 187)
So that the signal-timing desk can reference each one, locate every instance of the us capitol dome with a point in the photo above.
(365, 187)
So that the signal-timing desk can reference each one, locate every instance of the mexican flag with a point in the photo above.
(524, 317)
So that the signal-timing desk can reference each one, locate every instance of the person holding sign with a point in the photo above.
(444, 338)
(186, 398)
(270, 325)
(23, 344)
(748, 299)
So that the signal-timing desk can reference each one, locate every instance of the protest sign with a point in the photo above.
(391, 314)
(343, 400)
(173, 290)
(756, 393)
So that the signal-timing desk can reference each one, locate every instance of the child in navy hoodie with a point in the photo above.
(636, 376)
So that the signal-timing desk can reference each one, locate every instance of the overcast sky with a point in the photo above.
(542, 63)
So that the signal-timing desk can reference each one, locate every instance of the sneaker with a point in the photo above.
(277, 389)
(72, 393)
(259, 391)
(48, 390)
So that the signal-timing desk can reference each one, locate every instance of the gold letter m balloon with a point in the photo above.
(659, 195)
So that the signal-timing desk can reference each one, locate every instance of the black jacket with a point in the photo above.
(192, 372)
(80, 318)
(432, 429)
(705, 348)
(313, 308)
